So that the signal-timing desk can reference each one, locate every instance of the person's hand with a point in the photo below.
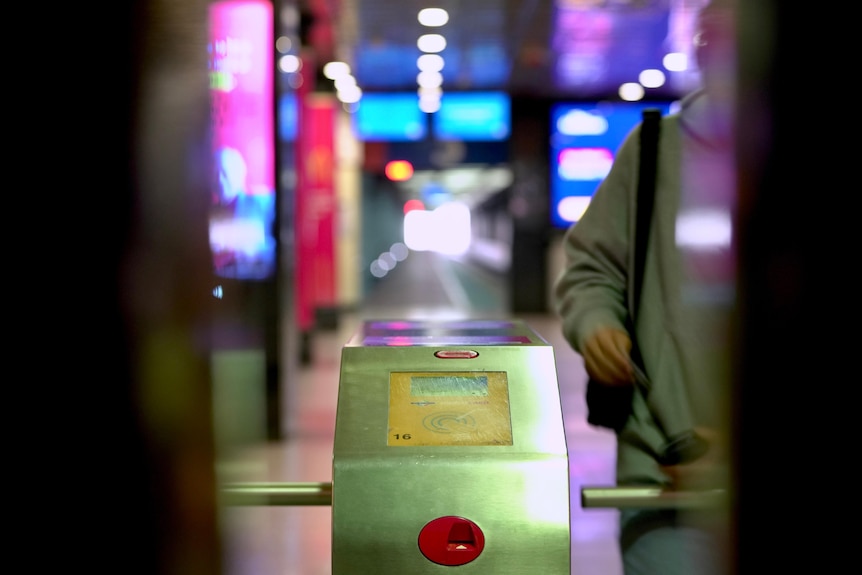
(705, 472)
(606, 356)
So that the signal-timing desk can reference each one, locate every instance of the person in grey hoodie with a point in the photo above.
(684, 314)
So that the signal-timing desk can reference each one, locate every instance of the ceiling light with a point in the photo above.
(289, 64)
(433, 17)
(429, 106)
(430, 92)
(333, 70)
(431, 43)
(349, 95)
(430, 62)
(429, 79)
(651, 78)
(631, 92)
(675, 62)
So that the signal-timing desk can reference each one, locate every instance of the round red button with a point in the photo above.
(451, 540)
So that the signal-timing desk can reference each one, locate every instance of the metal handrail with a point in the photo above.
(642, 497)
(298, 493)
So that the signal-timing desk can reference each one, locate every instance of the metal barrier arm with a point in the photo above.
(246, 494)
(650, 497)
(320, 493)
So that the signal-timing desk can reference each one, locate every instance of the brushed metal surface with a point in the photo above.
(517, 494)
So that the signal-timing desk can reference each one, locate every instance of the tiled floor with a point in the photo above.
(296, 540)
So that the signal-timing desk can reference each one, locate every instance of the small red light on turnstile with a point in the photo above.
(456, 354)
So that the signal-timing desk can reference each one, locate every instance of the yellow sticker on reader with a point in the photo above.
(449, 408)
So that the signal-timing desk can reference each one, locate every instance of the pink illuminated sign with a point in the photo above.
(243, 130)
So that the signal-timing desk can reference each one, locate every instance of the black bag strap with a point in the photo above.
(647, 169)
(610, 406)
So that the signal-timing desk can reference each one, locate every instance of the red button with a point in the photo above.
(451, 540)
(456, 354)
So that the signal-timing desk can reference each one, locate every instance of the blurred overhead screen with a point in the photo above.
(568, 48)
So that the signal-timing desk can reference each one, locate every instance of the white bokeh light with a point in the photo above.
(433, 17)
(675, 62)
(445, 230)
(652, 78)
(631, 92)
(431, 43)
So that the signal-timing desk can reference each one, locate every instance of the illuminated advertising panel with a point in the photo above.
(584, 140)
(316, 205)
(242, 213)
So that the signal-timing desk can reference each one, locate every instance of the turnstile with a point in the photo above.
(450, 453)
(450, 456)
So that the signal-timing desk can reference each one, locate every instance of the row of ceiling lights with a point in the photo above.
(429, 64)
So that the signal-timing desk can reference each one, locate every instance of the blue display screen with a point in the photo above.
(584, 140)
(389, 117)
(473, 116)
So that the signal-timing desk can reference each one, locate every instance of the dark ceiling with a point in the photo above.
(549, 48)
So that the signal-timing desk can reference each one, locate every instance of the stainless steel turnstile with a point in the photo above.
(449, 452)
(450, 455)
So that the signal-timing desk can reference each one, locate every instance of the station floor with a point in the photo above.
(296, 540)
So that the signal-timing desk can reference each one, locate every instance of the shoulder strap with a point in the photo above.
(647, 168)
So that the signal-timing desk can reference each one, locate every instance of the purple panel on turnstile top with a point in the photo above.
(393, 325)
(403, 340)
(447, 332)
